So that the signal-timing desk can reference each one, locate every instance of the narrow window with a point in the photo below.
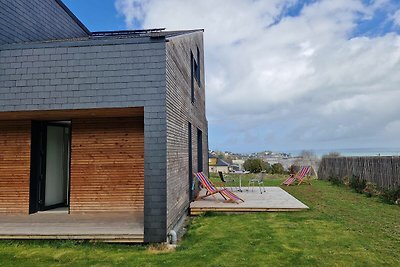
(199, 150)
(191, 182)
(191, 75)
(198, 78)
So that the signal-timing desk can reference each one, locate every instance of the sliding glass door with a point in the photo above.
(50, 161)
(57, 166)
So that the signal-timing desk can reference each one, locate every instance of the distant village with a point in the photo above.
(233, 162)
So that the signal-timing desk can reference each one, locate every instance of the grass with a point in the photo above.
(341, 228)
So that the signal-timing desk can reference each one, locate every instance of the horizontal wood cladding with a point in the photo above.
(15, 143)
(107, 165)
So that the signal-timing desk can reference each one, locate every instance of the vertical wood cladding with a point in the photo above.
(15, 143)
(107, 165)
(180, 111)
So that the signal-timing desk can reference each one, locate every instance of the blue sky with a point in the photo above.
(97, 15)
(284, 75)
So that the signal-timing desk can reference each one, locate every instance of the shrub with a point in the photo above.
(335, 180)
(256, 165)
(357, 184)
(391, 195)
(371, 190)
(277, 168)
(346, 181)
(294, 169)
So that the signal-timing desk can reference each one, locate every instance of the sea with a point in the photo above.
(352, 152)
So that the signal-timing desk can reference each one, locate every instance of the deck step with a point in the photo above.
(93, 238)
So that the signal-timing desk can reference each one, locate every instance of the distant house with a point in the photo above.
(239, 163)
(98, 122)
(216, 164)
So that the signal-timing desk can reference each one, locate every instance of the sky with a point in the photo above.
(283, 75)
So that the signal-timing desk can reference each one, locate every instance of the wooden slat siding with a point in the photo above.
(180, 111)
(15, 147)
(383, 171)
(107, 165)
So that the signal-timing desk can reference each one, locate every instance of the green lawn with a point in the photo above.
(341, 228)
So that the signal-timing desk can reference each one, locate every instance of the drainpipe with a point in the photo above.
(172, 237)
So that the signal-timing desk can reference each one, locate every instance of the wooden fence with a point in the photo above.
(383, 171)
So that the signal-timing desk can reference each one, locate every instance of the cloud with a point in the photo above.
(132, 10)
(396, 18)
(290, 81)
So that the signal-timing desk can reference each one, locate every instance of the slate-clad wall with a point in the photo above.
(35, 20)
(97, 73)
(180, 111)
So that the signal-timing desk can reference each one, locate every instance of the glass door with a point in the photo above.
(57, 166)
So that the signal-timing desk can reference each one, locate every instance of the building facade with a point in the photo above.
(99, 122)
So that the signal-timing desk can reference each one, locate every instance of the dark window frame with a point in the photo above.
(198, 69)
(195, 72)
(190, 154)
(199, 150)
(192, 76)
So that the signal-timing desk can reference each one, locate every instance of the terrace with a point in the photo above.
(273, 199)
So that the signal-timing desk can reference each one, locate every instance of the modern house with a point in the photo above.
(97, 122)
(217, 165)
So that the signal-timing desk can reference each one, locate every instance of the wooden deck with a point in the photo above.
(274, 199)
(103, 227)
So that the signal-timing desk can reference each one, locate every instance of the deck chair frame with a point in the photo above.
(212, 190)
(300, 176)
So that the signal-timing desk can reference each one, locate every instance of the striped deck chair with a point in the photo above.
(303, 175)
(298, 176)
(212, 190)
(231, 196)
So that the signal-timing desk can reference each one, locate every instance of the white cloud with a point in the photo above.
(299, 82)
(396, 18)
(132, 10)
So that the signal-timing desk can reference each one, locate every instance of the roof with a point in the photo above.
(74, 18)
(220, 162)
(152, 33)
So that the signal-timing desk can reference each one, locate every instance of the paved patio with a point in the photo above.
(106, 227)
(274, 199)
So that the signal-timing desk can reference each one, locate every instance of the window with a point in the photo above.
(191, 182)
(191, 75)
(195, 71)
(199, 150)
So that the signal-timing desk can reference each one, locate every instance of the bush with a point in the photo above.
(335, 180)
(357, 184)
(371, 190)
(277, 168)
(266, 167)
(256, 165)
(346, 181)
(391, 196)
(294, 169)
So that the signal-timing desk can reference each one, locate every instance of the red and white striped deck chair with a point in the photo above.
(299, 176)
(211, 190)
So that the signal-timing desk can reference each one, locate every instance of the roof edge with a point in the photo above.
(72, 15)
(184, 32)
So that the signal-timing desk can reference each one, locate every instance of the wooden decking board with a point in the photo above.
(96, 238)
(105, 227)
(274, 199)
